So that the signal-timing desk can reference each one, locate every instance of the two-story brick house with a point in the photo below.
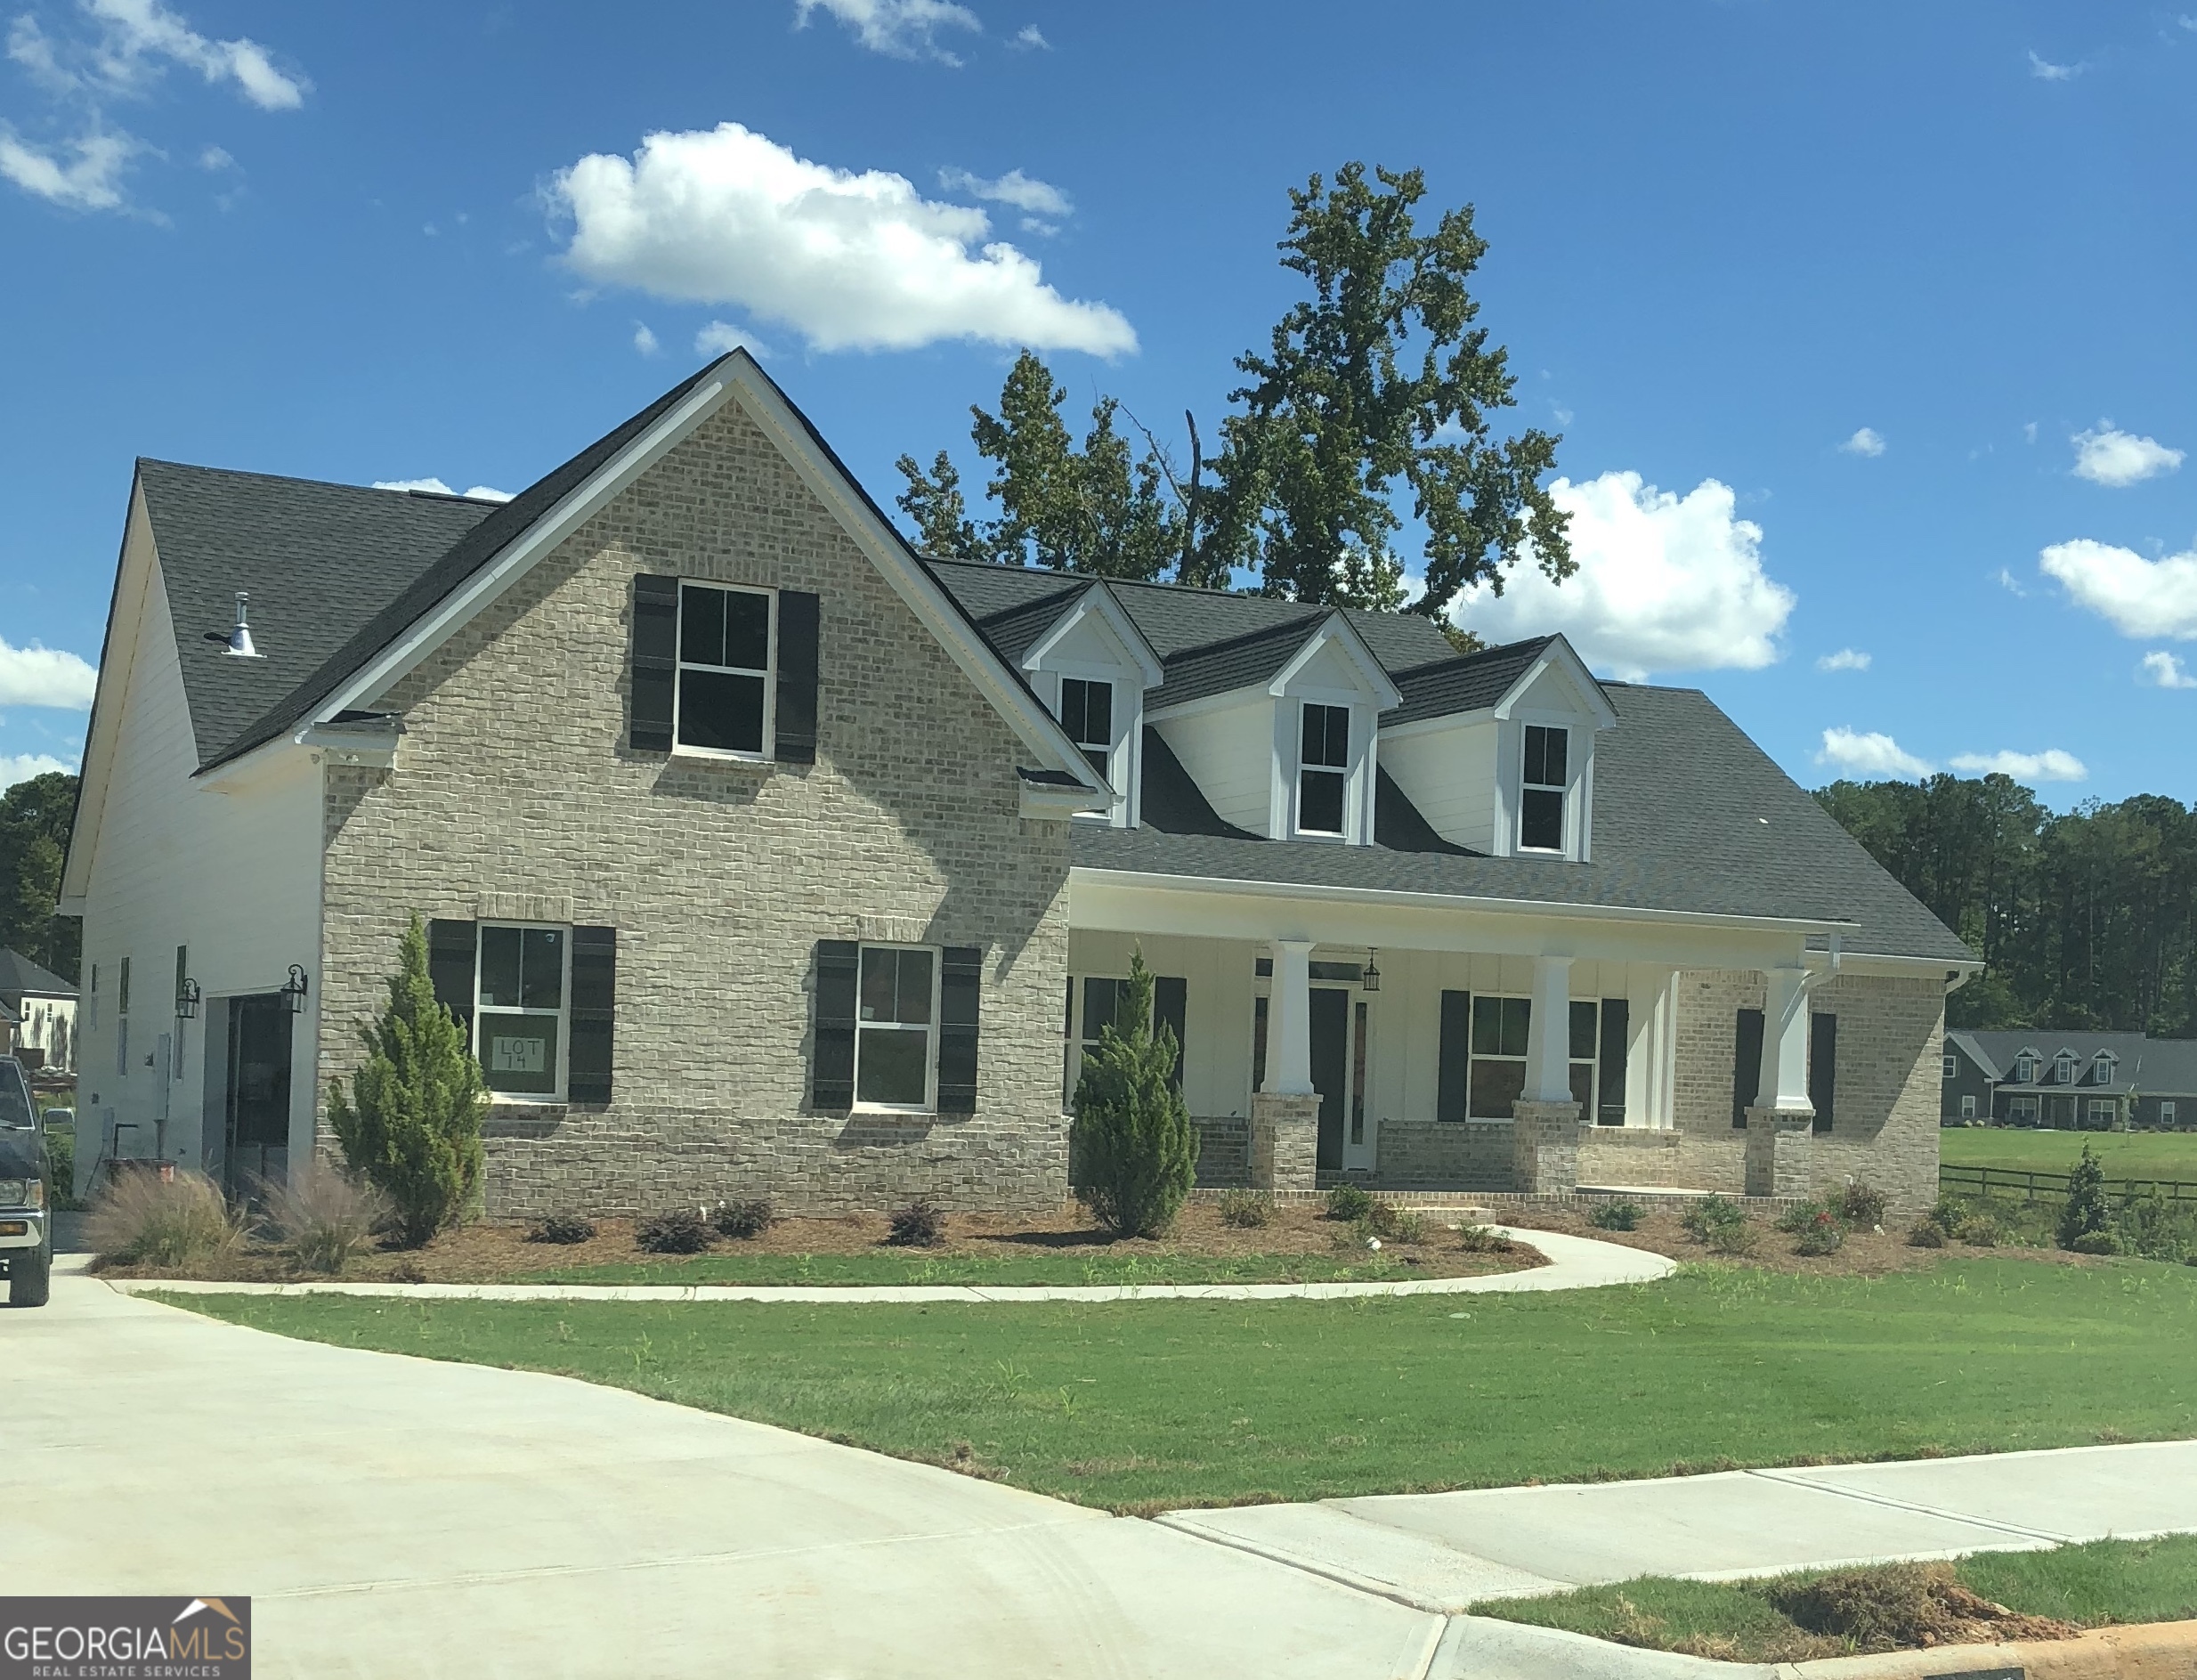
(762, 855)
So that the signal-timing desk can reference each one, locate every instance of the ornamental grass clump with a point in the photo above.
(1135, 1150)
(324, 1217)
(141, 1219)
(411, 1123)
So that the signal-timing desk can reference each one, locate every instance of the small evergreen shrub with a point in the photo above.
(411, 1123)
(1614, 1215)
(2094, 1242)
(2086, 1214)
(1948, 1213)
(1740, 1237)
(1709, 1216)
(139, 1218)
(1980, 1230)
(1860, 1204)
(1348, 1204)
(1406, 1224)
(2150, 1228)
(1135, 1149)
(917, 1225)
(677, 1230)
(561, 1228)
(324, 1217)
(1929, 1234)
(1244, 1210)
(742, 1220)
(1825, 1233)
(1796, 1219)
(1483, 1239)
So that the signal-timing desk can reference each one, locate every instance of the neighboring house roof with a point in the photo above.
(19, 975)
(2161, 1065)
(1689, 815)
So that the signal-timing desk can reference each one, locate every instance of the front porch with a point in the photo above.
(1432, 1054)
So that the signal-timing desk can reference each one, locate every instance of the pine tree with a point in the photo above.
(1135, 1151)
(412, 1122)
(2086, 1214)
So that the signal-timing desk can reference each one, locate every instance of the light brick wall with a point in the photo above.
(514, 778)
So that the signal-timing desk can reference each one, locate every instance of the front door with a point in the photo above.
(256, 1129)
(1331, 1071)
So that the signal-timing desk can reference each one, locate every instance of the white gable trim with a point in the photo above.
(1336, 631)
(735, 377)
(1099, 602)
(1559, 655)
(135, 574)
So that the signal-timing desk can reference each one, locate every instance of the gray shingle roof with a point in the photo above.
(1236, 663)
(19, 974)
(2158, 1064)
(320, 561)
(1690, 815)
(1466, 683)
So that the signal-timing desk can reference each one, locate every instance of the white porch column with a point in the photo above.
(1289, 1020)
(1783, 1085)
(1548, 1032)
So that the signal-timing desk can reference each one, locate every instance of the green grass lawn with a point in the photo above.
(1135, 1406)
(2106, 1582)
(1093, 1264)
(2138, 1155)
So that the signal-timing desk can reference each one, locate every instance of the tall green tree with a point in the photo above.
(1134, 1149)
(34, 818)
(411, 1122)
(1378, 387)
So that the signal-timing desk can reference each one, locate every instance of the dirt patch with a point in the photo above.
(1907, 1607)
(1865, 1253)
(501, 1253)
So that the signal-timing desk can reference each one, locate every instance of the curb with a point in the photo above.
(1574, 1262)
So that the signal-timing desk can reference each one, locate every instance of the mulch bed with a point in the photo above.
(501, 1253)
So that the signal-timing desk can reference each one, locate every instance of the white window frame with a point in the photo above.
(769, 674)
(2063, 1068)
(2102, 1106)
(2024, 1111)
(1114, 746)
(1593, 1063)
(1562, 790)
(2024, 1070)
(1967, 1107)
(1952, 1065)
(1345, 773)
(929, 1105)
(563, 1014)
(2168, 1111)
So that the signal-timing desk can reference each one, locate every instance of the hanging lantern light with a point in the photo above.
(293, 990)
(1370, 980)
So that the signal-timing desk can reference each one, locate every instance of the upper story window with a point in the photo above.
(895, 1026)
(1087, 714)
(2025, 1070)
(1541, 795)
(2064, 1068)
(2101, 1069)
(724, 690)
(1952, 1067)
(521, 981)
(1323, 769)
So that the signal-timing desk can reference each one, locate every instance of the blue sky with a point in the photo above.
(1868, 327)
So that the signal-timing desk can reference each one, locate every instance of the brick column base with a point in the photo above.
(1544, 1147)
(1285, 1142)
(1780, 1152)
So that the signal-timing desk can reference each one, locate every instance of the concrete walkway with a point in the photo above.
(1444, 1551)
(1574, 1262)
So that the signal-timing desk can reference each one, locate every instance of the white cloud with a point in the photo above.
(1871, 754)
(435, 486)
(721, 338)
(1025, 192)
(2045, 70)
(898, 28)
(1665, 583)
(214, 158)
(850, 261)
(644, 340)
(92, 181)
(2117, 459)
(23, 767)
(1868, 441)
(2051, 765)
(38, 676)
(2010, 583)
(1845, 659)
(1031, 36)
(2028, 431)
(2161, 669)
(2140, 599)
(139, 33)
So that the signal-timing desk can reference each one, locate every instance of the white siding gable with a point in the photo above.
(1096, 642)
(1231, 753)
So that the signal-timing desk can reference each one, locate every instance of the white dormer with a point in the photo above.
(1092, 668)
(1514, 776)
(1294, 755)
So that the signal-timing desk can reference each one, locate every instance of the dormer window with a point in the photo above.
(2025, 1070)
(2064, 1068)
(1323, 769)
(1541, 795)
(2101, 1069)
(1087, 714)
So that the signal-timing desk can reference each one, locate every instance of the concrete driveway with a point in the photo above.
(396, 1516)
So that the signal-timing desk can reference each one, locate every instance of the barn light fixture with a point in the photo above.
(293, 990)
(187, 1001)
(1371, 979)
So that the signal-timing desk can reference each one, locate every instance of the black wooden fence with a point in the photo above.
(2000, 1181)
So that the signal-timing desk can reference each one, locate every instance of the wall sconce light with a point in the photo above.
(293, 990)
(1370, 980)
(187, 1002)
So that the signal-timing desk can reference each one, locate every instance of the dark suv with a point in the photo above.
(26, 1228)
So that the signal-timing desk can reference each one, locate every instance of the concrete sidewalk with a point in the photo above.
(1444, 1551)
(1574, 1262)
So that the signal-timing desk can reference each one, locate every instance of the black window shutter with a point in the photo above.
(832, 1057)
(1747, 1065)
(1822, 1067)
(595, 997)
(451, 969)
(1616, 1024)
(795, 728)
(960, 975)
(1171, 1006)
(1456, 1050)
(655, 662)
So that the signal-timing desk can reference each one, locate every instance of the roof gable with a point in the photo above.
(19, 974)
